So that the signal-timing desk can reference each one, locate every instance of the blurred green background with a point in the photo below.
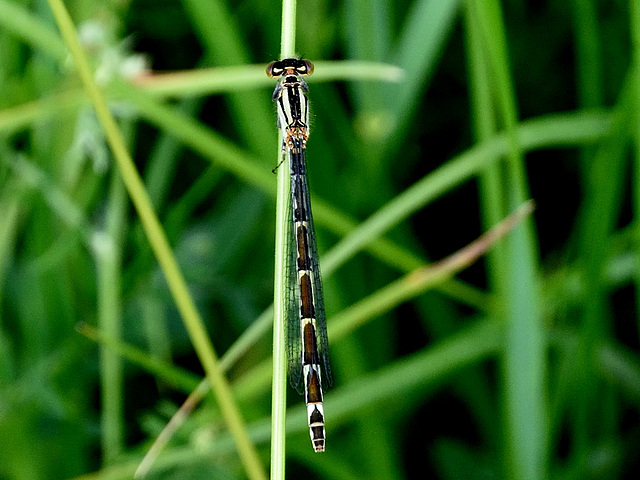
(523, 366)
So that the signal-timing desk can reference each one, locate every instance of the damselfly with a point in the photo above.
(307, 342)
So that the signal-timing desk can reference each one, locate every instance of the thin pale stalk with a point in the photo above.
(279, 388)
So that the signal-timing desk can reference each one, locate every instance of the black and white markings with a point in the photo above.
(307, 331)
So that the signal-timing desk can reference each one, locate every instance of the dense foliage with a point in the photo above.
(523, 366)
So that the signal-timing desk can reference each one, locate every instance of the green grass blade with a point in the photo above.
(524, 356)
(18, 20)
(108, 252)
(279, 385)
(422, 39)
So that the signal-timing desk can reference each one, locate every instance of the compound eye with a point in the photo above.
(305, 67)
(274, 69)
(309, 66)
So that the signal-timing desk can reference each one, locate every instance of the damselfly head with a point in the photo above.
(289, 66)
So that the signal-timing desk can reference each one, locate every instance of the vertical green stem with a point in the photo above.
(108, 248)
(288, 33)
(279, 387)
(514, 266)
(589, 83)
